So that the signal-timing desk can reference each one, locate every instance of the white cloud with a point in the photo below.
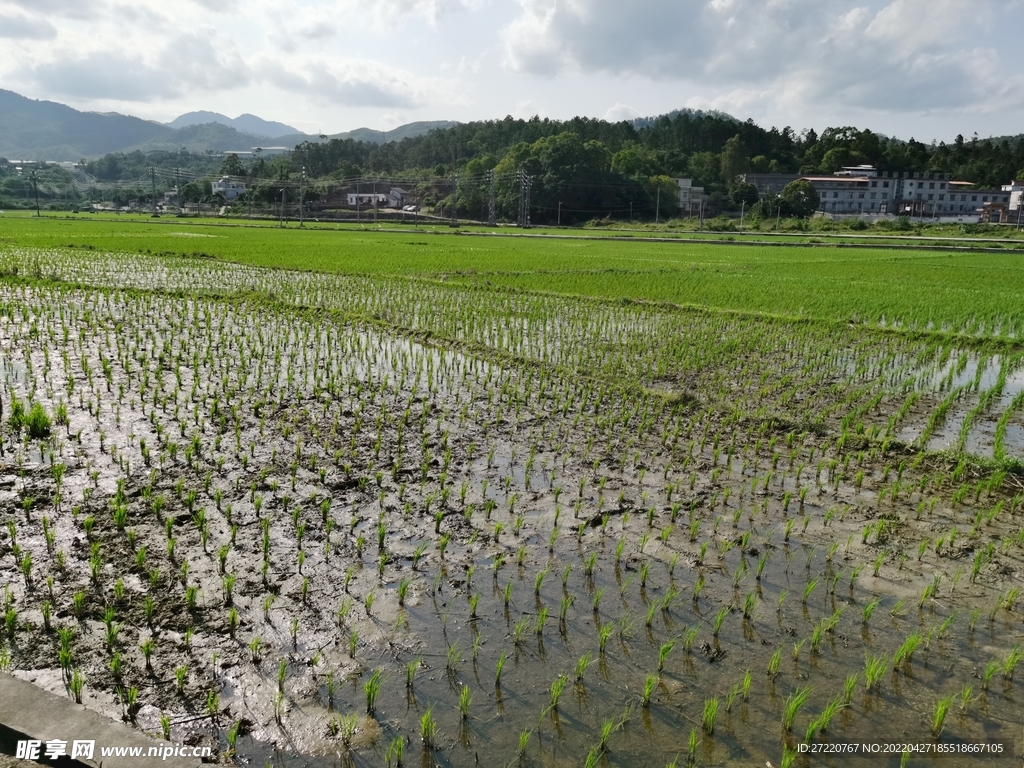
(526, 109)
(340, 63)
(354, 83)
(740, 101)
(101, 75)
(925, 22)
(620, 112)
(393, 119)
(73, 9)
(26, 28)
(191, 62)
(219, 6)
(754, 57)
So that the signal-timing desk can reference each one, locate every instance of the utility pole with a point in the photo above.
(521, 177)
(524, 199)
(657, 207)
(528, 184)
(455, 203)
(559, 213)
(152, 173)
(375, 202)
(280, 221)
(302, 189)
(35, 186)
(491, 207)
(358, 214)
(743, 207)
(177, 190)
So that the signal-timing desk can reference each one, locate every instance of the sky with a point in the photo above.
(924, 68)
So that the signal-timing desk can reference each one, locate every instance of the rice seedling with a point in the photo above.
(939, 715)
(905, 652)
(874, 668)
(1013, 658)
(663, 653)
(498, 668)
(808, 589)
(966, 697)
(465, 700)
(650, 683)
(869, 609)
(792, 706)
(709, 715)
(556, 690)
(990, 670)
(76, 685)
(524, 742)
(730, 697)
(396, 751)
(796, 649)
(428, 729)
(849, 685)
(372, 688)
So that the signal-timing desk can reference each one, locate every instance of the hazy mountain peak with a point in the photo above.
(246, 123)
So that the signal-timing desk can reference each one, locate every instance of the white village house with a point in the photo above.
(396, 197)
(228, 188)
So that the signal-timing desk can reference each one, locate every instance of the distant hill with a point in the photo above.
(46, 130)
(372, 136)
(407, 131)
(251, 124)
(643, 122)
(207, 137)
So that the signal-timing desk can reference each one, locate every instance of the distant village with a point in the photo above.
(859, 191)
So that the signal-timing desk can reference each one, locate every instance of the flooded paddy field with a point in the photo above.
(316, 519)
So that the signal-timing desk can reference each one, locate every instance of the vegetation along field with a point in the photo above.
(411, 498)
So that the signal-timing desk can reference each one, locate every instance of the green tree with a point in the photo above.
(836, 158)
(232, 166)
(635, 161)
(704, 168)
(734, 159)
(801, 198)
(664, 193)
(761, 164)
(744, 193)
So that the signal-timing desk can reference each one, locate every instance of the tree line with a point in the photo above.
(585, 168)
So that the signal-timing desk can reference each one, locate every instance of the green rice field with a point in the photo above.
(345, 496)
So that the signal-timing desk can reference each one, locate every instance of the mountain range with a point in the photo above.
(46, 130)
(31, 129)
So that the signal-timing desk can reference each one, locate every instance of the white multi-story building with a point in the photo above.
(690, 197)
(861, 189)
(228, 188)
(966, 199)
(856, 190)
